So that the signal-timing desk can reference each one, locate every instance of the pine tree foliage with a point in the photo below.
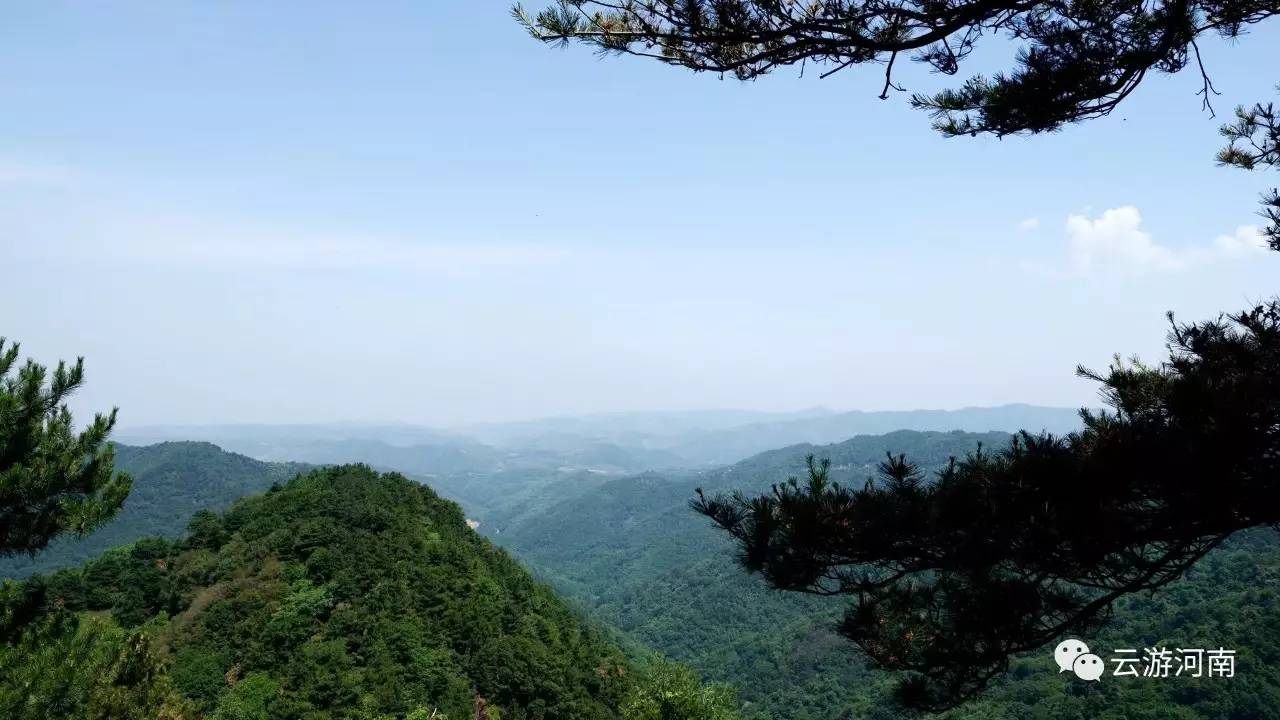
(1005, 552)
(53, 480)
(1075, 60)
(70, 667)
(1254, 142)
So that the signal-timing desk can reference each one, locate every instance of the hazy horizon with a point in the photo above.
(611, 443)
(755, 413)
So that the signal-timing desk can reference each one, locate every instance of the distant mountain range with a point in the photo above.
(615, 443)
(717, 447)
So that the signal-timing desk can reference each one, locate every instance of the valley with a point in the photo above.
(616, 540)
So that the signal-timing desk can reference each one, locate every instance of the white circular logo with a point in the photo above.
(1067, 652)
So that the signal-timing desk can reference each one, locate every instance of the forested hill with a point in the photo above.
(341, 594)
(171, 481)
(633, 553)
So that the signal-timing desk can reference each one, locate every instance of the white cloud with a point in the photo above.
(1247, 240)
(1029, 224)
(1116, 239)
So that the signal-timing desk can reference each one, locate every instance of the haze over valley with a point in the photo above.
(612, 443)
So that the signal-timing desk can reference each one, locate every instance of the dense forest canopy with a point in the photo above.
(632, 553)
(341, 594)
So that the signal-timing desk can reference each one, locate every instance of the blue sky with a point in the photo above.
(246, 211)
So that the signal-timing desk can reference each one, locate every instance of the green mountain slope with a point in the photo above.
(342, 594)
(1231, 600)
(634, 554)
(171, 482)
